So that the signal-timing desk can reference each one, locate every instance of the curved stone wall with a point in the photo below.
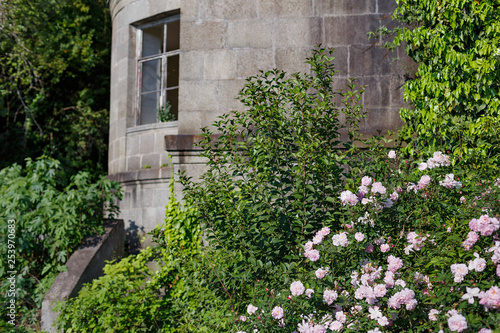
(222, 42)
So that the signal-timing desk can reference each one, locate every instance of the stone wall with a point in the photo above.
(222, 42)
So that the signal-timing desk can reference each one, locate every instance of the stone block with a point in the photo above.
(147, 143)
(250, 61)
(219, 65)
(347, 30)
(191, 122)
(147, 197)
(195, 96)
(344, 7)
(227, 10)
(151, 217)
(227, 94)
(382, 119)
(133, 163)
(160, 197)
(189, 11)
(377, 93)
(292, 60)
(288, 8)
(387, 6)
(202, 36)
(153, 160)
(191, 65)
(396, 87)
(369, 60)
(296, 32)
(341, 54)
(133, 145)
(250, 34)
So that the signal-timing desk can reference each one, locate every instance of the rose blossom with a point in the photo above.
(359, 236)
(383, 321)
(312, 255)
(321, 273)
(379, 290)
(329, 296)
(309, 293)
(251, 309)
(297, 288)
(378, 188)
(277, 312)
(394, 263)
(384, 247)
(422, 166)
(459, 271)
(366, 181)
(392, 154)
(457, 323)
(394, 196)
(348, 198)
(423, 182)
(432, 314)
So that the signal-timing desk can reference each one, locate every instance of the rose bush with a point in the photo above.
(416, 252)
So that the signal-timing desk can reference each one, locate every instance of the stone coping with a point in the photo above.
(84, 265)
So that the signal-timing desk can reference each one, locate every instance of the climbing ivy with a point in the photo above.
(455, 89)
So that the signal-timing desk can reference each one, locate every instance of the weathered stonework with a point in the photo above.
(221, 43)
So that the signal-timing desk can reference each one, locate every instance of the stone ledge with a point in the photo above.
(84, 265)
(142, 175)
(185, 142)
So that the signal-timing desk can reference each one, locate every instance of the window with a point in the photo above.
(158, 70)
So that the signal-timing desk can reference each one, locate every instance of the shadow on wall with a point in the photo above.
(133, 236)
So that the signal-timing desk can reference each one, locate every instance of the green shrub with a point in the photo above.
(52, 216)
(131, 297)
(271, 177)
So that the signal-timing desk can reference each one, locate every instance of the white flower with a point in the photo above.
(392, 154)
(422, 166)
(471, 293)
(359, 236)
(277, 312)
(374, 312)
(251, 309)
(297, 288)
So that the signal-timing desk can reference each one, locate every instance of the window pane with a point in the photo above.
(151, 75)
(173, 71)
(152, 40)
(149, 106)
(173, 35)
(173, 99)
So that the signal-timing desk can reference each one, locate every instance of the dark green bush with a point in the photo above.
(52, 214)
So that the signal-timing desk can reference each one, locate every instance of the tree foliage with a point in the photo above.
(54, 81)
(53, 212)
(455, 91)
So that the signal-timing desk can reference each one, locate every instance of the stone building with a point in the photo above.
(194, 56)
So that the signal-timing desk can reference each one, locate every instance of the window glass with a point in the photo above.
(149, 107)
(152, 40)
(173, 71)
(173, 35)
(173, 100)
(151, 75)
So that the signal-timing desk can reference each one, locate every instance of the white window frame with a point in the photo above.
(162, 56)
